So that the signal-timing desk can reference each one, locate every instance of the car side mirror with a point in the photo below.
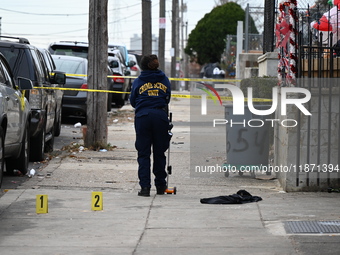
(24, 83)
(132, 63)
(58, 78)
(113, 64)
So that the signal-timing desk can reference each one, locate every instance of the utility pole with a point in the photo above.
(246, 41)
(174, 50)
(96, 134)
(184, 62)
(146, 27)
(161, 42)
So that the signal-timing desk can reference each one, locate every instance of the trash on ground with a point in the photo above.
(31, 173)
(17, 172)
(77, 125)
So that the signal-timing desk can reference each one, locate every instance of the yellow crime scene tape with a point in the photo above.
(171, 79)
(222, 98)
(172, 95)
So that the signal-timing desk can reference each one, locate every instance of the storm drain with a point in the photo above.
(312, 227)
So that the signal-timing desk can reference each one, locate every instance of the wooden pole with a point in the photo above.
(174, 43)
(96, 134)
(146, 27)
(162, 27)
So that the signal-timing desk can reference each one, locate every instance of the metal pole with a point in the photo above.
(239, 47)
(186, 72)
(174, 43)
(182, 44)
(161, 42)
(246, 41)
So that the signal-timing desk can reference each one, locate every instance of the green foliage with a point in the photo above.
(207, 41)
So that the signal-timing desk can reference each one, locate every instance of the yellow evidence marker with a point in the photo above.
(97, 201)
(41, 204)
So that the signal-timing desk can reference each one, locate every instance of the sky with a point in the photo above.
(45, 21)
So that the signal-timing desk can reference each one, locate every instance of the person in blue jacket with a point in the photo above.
(150, 96)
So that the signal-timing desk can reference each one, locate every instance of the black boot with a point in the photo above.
(161, 190)
(144, 192)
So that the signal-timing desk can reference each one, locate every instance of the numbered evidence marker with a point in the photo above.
(97, 201)
(41, 204)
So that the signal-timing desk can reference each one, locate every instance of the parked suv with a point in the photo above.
(69, 48)
(14, 121)
(27, 61)
(81, 49)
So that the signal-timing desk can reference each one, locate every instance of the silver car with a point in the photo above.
(15, 115)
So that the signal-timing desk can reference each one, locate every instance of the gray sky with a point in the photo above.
(46, 21)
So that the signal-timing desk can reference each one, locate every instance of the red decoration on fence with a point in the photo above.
(286, 34)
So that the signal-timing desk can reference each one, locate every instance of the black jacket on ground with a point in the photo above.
(241, 197)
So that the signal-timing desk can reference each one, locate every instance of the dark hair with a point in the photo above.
(149, 62)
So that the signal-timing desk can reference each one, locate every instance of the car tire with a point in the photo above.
(37, 149)
(127, 95)
(109, 102)
(120, 101)
(20, 163)
(50, 143)
(2, 154)
(57, 127)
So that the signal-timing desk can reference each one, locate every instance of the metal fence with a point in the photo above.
(268, 25)
(317, 68)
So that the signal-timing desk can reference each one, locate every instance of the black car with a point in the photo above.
(74, 102)
(15, 117)
(58, 93)
(27, 61)
(80, 49)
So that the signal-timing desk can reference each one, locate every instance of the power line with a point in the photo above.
(62, 14)
(44, 14)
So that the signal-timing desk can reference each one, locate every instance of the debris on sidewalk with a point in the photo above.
(17, 172)
(31, 173)
(77, 125)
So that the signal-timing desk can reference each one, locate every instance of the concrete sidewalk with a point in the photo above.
(166, 224)
(169, 224)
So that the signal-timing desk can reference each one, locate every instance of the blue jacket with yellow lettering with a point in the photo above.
(150, 90)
